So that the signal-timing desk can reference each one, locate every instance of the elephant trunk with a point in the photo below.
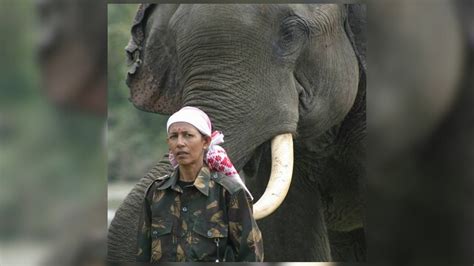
(280, 177)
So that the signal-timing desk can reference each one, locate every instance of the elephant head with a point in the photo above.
(258, 71)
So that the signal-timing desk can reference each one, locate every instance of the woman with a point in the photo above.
(202, 210)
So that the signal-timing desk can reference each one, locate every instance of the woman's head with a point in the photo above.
(189, 132)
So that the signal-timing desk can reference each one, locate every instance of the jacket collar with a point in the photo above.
(201, 182)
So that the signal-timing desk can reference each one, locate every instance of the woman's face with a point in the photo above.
(186, 143)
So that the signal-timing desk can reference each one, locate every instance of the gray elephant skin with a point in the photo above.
(259, 71)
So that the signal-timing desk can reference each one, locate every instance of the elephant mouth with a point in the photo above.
(280, 176)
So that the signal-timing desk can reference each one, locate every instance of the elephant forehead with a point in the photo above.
(190, 17)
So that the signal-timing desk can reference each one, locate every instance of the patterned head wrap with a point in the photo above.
(216, 157)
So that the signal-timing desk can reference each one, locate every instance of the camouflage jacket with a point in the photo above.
(209, 220)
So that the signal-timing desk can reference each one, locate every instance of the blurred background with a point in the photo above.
(420, 132)
(53, 157)
(64, 139)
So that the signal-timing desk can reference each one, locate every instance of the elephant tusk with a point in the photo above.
(280, 177)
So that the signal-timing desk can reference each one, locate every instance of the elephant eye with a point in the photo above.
(292, 35)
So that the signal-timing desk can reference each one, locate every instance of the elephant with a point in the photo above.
(260, 71)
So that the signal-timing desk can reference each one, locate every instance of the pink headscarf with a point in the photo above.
(216, 157)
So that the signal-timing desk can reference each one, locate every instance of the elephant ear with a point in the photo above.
(327, 71)
(353, 128)
(134, 46)
(356, 28)
(151, 57)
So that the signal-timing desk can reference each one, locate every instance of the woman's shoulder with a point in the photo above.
(229, 183)
(157, 182)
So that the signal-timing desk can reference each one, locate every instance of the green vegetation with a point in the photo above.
(136, 140)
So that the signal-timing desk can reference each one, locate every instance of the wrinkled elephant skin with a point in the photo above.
(260, 71)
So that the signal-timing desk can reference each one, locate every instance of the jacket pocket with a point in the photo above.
(211, 240)
(160, 239)
(210, 229)
(160, 227)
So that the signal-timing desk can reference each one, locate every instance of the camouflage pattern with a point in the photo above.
(207, 221)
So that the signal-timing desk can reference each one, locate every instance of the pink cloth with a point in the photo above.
(216, 157)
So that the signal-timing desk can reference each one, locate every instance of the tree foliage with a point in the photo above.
(135, 139)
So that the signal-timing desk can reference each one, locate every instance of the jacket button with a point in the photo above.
(209, 233)
(184, 209)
